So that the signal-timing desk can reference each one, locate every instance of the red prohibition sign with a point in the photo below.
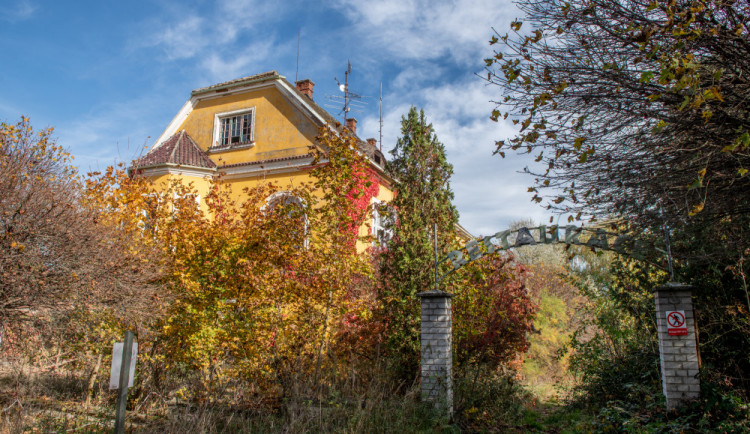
(676, 319)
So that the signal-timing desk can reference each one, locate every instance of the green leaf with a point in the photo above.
(729, 148)
(646, 76)
(741, 171)
(578, 143)
(659, 127)
(685, 102)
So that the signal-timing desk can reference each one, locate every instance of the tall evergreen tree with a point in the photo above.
(406, 266)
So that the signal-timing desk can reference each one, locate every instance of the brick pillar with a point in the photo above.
(678, 348)
(437, 355)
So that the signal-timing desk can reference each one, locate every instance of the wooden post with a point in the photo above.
(122, 395)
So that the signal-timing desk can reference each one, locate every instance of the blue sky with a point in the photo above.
(110, 76)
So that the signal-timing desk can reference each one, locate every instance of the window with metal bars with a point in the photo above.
(235, 130)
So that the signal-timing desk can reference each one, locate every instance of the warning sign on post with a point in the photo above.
(676, 323)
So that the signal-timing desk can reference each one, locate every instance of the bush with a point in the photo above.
(716, 411)
(487, 398)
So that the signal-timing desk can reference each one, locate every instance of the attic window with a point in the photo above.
(234, 128)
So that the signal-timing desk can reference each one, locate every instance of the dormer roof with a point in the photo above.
(180, 150)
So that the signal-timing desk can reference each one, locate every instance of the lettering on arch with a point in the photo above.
(570, 235)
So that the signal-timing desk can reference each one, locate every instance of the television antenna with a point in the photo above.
(381, 117)
(351, 101)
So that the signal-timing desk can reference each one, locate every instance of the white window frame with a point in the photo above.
(377, 225)
(217, 136)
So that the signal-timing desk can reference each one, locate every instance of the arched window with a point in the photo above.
(287, 206)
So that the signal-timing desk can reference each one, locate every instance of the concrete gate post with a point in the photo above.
(437, 355)
(678, 347)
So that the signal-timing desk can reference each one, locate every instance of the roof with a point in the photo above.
(266, 161)
(462, 232)
(270, 75)
(193, 156)
(180, 149)
(259, 78)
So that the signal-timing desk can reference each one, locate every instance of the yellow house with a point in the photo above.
(251, 130)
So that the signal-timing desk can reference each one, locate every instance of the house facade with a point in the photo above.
(251, 130)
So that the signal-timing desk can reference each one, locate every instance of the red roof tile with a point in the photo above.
(266, 161)
(179, 149)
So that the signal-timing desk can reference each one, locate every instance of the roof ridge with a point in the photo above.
(273, 74)
(176, 145)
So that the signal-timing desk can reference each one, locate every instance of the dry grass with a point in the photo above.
(45, 401)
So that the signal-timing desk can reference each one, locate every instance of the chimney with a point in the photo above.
(351, 123)
(306, 86)
(372, 142)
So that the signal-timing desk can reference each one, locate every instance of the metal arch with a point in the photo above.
(570, 235)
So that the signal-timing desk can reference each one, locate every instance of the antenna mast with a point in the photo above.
(346, 88)
(299, 33)
(350, 99)
(381, 117)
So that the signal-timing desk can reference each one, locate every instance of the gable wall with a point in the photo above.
(280, 129)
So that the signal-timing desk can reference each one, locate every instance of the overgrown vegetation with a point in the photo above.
(251, 314)
(633, 112)
(257, 313)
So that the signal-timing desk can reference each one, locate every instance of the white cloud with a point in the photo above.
(490, 193)
(183, 39)
(424, 29)
(111, 133)
(414, 77)
(19, 11)
(222, 66)
(208, 34)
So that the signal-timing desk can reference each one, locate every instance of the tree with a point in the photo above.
(636, 110)
(58, 258)
(492, 313)
(406, 266)
(260, 283)
(633, 108)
